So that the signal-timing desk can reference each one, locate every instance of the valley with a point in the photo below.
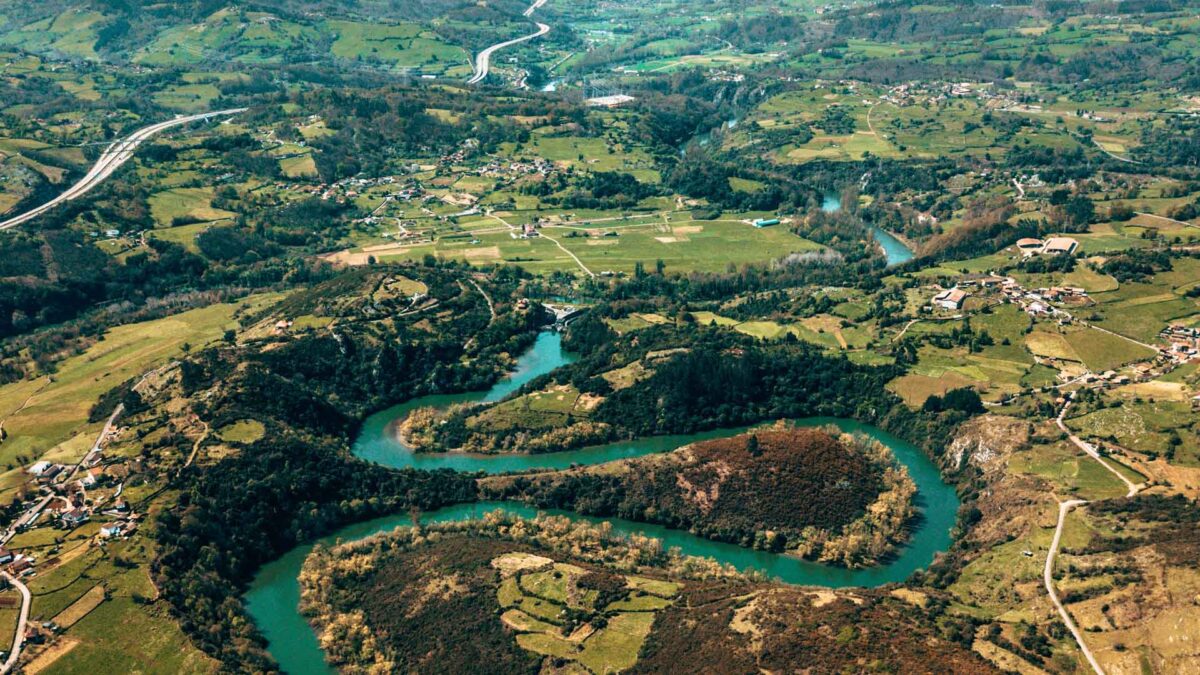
(599, 337)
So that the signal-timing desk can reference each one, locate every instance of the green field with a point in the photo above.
(684, 245)
(41, 416)
(193, 204)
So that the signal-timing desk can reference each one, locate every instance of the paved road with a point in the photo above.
(483, 60)
(112, 158)
(19, 638)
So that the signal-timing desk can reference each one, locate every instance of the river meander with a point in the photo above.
(894, 250)
(274, 595)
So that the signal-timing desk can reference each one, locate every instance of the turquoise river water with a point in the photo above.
(274, 595)
(894, 250)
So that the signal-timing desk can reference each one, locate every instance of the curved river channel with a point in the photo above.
(894, 250)
(274, 595)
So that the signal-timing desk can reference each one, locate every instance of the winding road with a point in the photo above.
(1063, 509)
(110, 160)
(1119, 158)
(1048, 576)
(22, 620)
(483, 60)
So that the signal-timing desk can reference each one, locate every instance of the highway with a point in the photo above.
(110, 160)
(483, 60)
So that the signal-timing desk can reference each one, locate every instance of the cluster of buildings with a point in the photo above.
(911, 93)
(498, 169)
(17, 564)
(1183, 342)
(1035, 302)
(65, 497)
(1030, 246)
(340, 191)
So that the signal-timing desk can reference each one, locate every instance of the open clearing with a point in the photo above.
(39, 414)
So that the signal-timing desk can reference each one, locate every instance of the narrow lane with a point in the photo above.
(1048, 576)
(22, 621)
(1063, 509)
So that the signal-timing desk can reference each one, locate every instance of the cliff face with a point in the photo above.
(986, 441)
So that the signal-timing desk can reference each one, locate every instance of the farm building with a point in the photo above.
(40, 468)
(1029, 245)
(609, 101)
(1060, 246)
(765, 222)
(951, 298)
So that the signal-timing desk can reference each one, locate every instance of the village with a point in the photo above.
(67, 497)
(1178, 344)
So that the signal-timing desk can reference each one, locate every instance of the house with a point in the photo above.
(56, 506)
(121, 506)
(981, 280)
(951, 298)
(6, 556)
(111, 530)
(1060, 246)
(1036, 307)
(93, 458)
(74, 517)
(1029, 245)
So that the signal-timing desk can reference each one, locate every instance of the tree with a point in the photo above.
(752, 446)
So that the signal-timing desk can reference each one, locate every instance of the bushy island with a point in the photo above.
(510, 595)
(838, 498)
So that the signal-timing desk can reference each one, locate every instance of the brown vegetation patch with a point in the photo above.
(780, 630)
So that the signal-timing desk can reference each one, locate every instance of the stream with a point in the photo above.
(274, 595)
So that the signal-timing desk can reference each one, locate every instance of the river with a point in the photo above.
(274, 595)
(894, 250)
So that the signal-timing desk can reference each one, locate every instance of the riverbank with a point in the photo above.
(896, 250)
(274, 595)
(558, 595)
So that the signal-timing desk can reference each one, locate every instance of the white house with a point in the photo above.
(40, 468)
